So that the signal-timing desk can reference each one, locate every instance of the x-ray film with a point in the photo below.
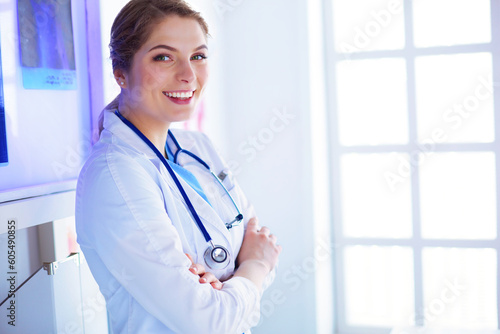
(46, 44)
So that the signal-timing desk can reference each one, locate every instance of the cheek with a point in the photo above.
(202, 75)
(152, 77)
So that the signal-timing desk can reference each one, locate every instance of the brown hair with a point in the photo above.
(132, 27)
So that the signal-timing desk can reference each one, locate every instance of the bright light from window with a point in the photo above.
(367, 25)
(378, 286)
(458, 196)
(370, 207)
(460, 289)
(372, 102)
(417, 173)
(451, 22)
(455, 98)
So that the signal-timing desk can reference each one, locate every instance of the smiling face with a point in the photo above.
(168, 73)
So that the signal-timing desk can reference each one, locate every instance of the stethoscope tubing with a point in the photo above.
(239, 217)
(179, 150)
(190, 206)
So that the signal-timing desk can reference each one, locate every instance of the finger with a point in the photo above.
(273, 238)
(253, 224)
(265, 231)
(191, 269)
(216, 285)
(208, 278)
(190, 258)
(197, 269)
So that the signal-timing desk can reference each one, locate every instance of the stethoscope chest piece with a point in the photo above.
(217, 257)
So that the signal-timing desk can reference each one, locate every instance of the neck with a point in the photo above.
(153, 128)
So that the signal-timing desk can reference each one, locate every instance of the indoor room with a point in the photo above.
(249, 166)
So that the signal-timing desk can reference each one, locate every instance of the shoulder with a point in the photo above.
(105, 157)
(114, 167)
(115, 186)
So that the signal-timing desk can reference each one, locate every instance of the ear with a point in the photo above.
(120, 78)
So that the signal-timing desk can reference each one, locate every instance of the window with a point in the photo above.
(414, 174)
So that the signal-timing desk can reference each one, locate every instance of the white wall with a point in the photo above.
(262, 65)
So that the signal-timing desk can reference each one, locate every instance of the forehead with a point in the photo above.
(178, 32)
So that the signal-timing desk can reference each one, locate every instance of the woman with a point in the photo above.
(163, 235)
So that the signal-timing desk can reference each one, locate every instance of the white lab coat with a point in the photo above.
(134, 230)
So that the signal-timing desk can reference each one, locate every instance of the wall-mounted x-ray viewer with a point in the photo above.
(47, 130)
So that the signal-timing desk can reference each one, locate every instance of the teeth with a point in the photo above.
(177, 95)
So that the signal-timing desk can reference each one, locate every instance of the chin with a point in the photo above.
(183, 117)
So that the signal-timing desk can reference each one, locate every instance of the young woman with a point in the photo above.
(169, 236)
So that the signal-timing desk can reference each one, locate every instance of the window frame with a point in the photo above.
(336, 151)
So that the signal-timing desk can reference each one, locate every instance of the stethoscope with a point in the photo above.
(216, 256)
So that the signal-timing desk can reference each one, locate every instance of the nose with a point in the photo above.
(185, 72)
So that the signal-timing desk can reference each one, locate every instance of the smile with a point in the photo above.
(179, 95)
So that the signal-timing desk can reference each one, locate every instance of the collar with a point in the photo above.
(115, 126)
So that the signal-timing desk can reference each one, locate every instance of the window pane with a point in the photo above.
(460, 288)
(379, 285)
(451, 22)
(366, 25)
(458, 198)
(455, 98)
(372, 102)
(372, 207)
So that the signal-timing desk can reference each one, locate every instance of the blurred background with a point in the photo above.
(364, 132)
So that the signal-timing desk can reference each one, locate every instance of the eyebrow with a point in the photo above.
(162, 46)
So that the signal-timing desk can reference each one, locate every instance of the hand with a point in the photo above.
(205, 277)
(259, 245)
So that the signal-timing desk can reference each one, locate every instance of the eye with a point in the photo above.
(162, 58)
(199, 57)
